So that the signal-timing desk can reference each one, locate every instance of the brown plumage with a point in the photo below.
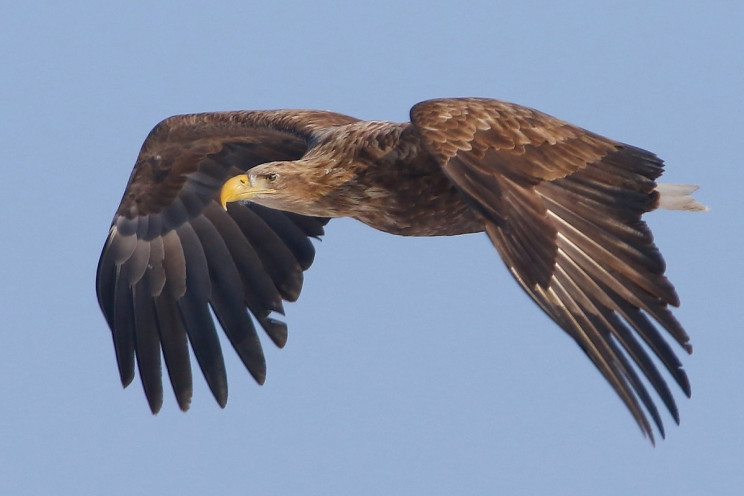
(561, 205)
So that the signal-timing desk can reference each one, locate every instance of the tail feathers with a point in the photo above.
(679, 197)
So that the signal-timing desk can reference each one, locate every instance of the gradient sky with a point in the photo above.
(414, 366)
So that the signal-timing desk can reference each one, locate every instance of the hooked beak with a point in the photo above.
(240, 188)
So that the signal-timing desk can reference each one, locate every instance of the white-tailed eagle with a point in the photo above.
(220, 209)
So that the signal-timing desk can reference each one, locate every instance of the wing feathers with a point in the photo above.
(260, 293)
(276, 257)
(172, 251)
(563, 206)
(155, 272)
(174, 343)
(311, 226)
(173, 338)
(291, 235)
(593, 329)
(227, 299)
(195, 313)
(123, 329)
(596, 302)
(147, 344)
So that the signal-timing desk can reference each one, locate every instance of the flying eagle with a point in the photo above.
(220, 208)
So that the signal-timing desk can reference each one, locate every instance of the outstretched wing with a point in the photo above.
(172, 251)
(563, 207)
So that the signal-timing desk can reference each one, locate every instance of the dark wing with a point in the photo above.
(172, 251)
(563, 207)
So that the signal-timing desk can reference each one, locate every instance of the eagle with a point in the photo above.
(221, 208)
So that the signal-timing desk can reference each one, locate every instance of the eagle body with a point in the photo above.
(220, 209)
(384, 178)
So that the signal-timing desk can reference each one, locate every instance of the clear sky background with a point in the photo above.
(414, 366)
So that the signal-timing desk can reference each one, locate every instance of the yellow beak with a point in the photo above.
(240, 188)
(234, 189)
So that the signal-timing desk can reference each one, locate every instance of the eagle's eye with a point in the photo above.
(271, 176)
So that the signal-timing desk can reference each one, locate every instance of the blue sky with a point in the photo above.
(414, 366)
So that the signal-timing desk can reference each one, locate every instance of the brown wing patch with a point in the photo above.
(524, 136)
(563, 207)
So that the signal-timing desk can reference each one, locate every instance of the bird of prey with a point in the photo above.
(220, 208)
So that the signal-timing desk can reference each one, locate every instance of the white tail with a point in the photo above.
(678, 197)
